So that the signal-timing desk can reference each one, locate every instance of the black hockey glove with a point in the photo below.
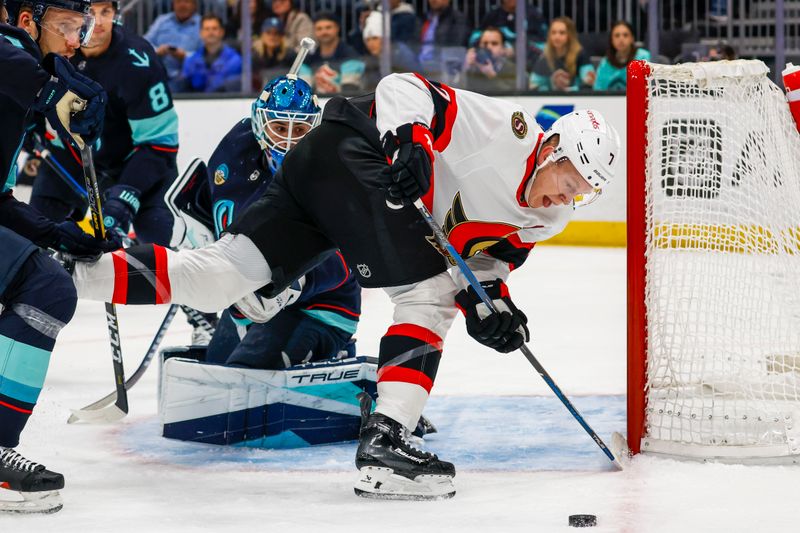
(120, 205)
(506, 330)
(70, 238)
(58, 95)
(312, 340)
(411, 153)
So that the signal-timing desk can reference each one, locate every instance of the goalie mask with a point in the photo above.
(591, 144)
(283, 114)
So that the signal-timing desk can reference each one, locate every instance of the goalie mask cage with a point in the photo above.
(713, 264)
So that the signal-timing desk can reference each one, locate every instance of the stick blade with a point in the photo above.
(105, 415)
(619, 448)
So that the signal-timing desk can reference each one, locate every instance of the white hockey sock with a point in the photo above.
(401, 401)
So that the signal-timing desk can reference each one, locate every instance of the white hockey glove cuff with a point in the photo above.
(260, 309)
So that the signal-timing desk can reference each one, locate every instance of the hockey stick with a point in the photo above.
(441, 238)
(197, 319)
(94, 412)
(307, 45)
(121, 403)
(42, 152)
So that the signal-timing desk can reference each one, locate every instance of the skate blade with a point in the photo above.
(45, 502)
(104, 415)
(383, 484)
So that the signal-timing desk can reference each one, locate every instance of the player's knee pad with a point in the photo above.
(43, 295)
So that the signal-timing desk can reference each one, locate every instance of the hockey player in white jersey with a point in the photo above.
(491, 177)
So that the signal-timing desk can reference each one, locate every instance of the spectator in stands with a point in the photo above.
(296, 24)
(215, 67)
(622, 49)
(233, 28)
(563, 66)
(487, 67)
(271, 56)
(334, 63)
(404, 21)
(355, 38)
(504, 17)
(443, 26)
(403, 59)
(175, 36)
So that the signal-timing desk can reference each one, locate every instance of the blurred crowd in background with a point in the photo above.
(202, 46)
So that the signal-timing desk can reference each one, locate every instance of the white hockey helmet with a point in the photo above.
(592, 146)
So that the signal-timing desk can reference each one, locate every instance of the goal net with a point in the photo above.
(713, 263)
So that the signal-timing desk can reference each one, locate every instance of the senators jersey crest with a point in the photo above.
(470, 236)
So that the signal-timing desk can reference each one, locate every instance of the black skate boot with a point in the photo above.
(37, 486)
(391, 468)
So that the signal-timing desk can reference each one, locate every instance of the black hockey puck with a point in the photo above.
(582, 520)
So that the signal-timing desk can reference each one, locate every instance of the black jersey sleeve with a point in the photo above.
(26, 221)
(28, 76)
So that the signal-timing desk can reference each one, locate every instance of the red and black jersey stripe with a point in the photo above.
(511, 250)
(445, 109)
(141, 276)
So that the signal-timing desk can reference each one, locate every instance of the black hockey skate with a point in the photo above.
(391, 468)
(37, 486)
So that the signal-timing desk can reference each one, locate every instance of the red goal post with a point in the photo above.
(713, 231)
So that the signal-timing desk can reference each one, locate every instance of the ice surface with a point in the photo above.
(523, 463)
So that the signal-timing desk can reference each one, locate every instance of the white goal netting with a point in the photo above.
(723, 264)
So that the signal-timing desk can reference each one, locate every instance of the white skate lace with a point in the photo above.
(404, 434)
(14, 460)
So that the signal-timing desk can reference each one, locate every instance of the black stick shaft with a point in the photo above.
(111, 311)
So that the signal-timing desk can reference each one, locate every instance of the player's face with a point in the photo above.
(103, 14)
(558, 35)
(556, 182)
(61, 32)
(284, 136)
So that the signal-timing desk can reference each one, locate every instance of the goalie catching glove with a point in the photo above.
(259, 309)
(411, 152)
(506, 330)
